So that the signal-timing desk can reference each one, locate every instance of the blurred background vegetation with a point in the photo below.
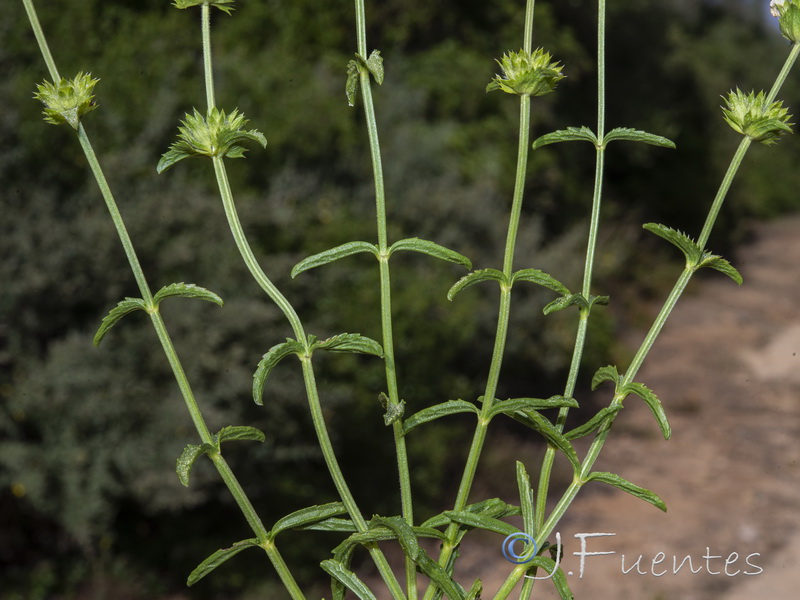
(89, 502)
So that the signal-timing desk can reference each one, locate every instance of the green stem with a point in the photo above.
(41, 40)
(404, 475)
(205, 18)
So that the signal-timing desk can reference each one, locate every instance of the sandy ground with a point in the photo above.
(727, 368)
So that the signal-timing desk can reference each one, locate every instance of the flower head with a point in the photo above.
(750, 115)
(67, 100)
(217, 134)
(527, 74)
(788, 15)
(224, 5)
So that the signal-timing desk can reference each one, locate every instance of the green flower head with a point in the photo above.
(527, 74)
(224, 5)
(217, 134)
(750, 115)
(68, 100)
(788, 15)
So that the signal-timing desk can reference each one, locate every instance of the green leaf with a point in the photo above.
(394, 410)
(350, 342)
(187, 459)
(236, 433)
(526, 502)
(537, 422)
(323, 258)
(431, 249)
(567, 135)
(404, 533)
(653, 403)
(273, 356)
(347, 578)
(224, 5)
(128, 305)
(307, 516)
(351, 88)
(720, 264)
(509, 407)
(635, 135)
(440, 577)
(186, 290)
(682, 241)
(558, 578)
(451, 407)
(627, 486)
(540, 278)
(374, 65)
(475, 591)
(480, 521)
(594, 423)
(492, 507)
(219, 557)
(477, 277)
(332, 524)
(608, 373)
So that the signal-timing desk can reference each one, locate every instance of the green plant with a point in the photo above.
(527, 73)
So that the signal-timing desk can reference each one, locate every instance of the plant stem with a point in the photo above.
(205, 18)
(406, 500)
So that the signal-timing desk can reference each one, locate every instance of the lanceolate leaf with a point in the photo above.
(236, 433)
(307, 516)
(478, 521)
(374, 65)
(451, 407)
(564, 302)
(273, 356)
(492, 507)
(332, 524)
(634, 135)
(559, 579)
(627, 486)
(323, 258)
(477, 277)
(431, 249)
(567, 135)
(347, 578)
(540, 278)
(526, 502)
(351, 88)
(120, 310)
(509, 407)
(350, 342)
(216, 559)
(608, 373)
(536, 421)
(475, 591)
(440, 577)
(187, 459)
(653, 403)
(721, 265)
(679, 239)
(405, 534)
(594, 423)
(186, 290)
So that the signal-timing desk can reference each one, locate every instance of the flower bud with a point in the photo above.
(68, 100)
(750, 115)
(527, 74)
(788, 15)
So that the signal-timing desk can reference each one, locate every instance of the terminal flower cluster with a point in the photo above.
(750, 115)
(224, 5)
(527, 74)
(788, 15)
(68, 100)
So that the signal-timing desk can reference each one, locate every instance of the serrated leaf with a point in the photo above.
(687, 245)
(509, 407)
(636, 135)
(328, 256)
(653, 403)
(374, 65)
(608, 373)
(537, 422)
(219, 557)
(491, 507)
(569, 134)
(347, 578)
(273, 356)
(404, 533)
(440, 577)
(236, 433)
(187, 459)
(627, 486)
(351, 87)
(451, 407)
(350, 342)
(526, 502)
(186, 290)
(540, 278)
(720, 264)
(431, 249)
(307, 516)
(594, 423)
(477, 277)
(332, 524)
(124, 307)
(481, 521)
(559, 579)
